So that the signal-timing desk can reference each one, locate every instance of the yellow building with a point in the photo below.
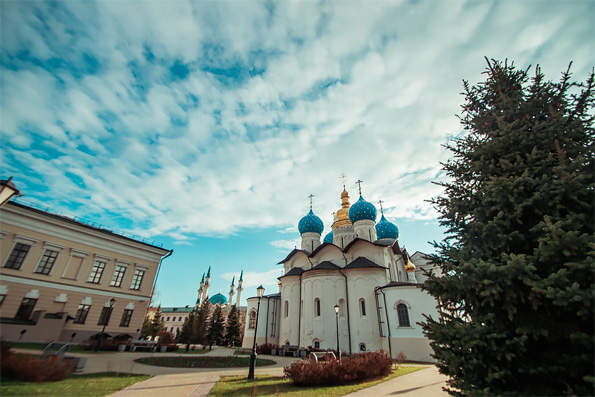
(58, 277)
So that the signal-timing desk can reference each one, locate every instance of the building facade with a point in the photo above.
(59, 276)
(358, 267)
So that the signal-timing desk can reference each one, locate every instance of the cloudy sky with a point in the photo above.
(206, 125)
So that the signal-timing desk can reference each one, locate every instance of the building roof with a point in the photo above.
(324, 265)
(186, 309)
(94, 227)
(292, 253)
(296, 271)
(361, 263)
(218, 299)
(400, 284)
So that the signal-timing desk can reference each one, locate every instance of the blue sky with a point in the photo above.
(206, 125)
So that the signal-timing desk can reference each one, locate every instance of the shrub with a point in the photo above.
(356, 368)
(265, 348)
(110, 344)
(33, 369)
(165, 338)
(172, 347)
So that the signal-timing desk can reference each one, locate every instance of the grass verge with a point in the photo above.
(100, 384)
(271, 385)
(202, 362)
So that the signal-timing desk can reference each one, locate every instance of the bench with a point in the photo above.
(291, 350)
(143, 345)
(322, 357)
(59, 350)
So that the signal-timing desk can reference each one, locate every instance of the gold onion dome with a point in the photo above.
(343, 213)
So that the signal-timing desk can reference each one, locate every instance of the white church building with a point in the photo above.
(360, 267)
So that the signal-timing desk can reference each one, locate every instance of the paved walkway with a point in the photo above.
(198, 382)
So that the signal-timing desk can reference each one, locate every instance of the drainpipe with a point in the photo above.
(266, 330)
(347, 308)
(390, 349)
(300, 314)
(170, 253)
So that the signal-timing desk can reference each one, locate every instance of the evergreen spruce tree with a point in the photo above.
(232, 329)
(157, 323)
(146, 328)
(200, 327)
(216, 327)
(515, 288)
(186, 332)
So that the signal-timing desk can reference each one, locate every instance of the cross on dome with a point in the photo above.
(380, 204)
(359, 184)
(343, 176)
(310, 197)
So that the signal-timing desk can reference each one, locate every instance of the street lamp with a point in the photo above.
(337, 319)
(111, 303)
(260, 293)
(7, 190)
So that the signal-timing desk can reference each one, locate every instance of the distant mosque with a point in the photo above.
(174, 317)
(358, 289)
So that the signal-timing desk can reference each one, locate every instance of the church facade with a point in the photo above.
(356, 289)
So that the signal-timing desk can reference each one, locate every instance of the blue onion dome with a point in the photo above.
(361, 210)
(218, 299)
(329, 237)
(386, 229)
(310, 224)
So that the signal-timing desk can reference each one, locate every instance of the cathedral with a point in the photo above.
(356, 289)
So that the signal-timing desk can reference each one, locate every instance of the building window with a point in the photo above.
(286, 309)
(47, 261)
(180, 319)
(104, 316)
(26, 308)
(317, 344)
(81, 314)
(252, 323)
(96, 272)
(362, 307)
(126, 316)
(317, 307)
(403, 315)
(118, 276)
(362, 347)
(137, 279)
(168, 319)
(17, 256)
(2, 299)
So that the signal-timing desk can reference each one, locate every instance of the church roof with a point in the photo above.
(292, 253)
(310, 223)
(362, 262)
(400, 284)
(325, 265)
(296, 271)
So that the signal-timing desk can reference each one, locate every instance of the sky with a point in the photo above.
(205, 125)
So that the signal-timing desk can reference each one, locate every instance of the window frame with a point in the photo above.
(252, 320)
(104, 316)
(403, 315)
(126, 317)
(24, 311)
(81, 314)
(286, 309)
(16, 258)
(47, 261)
(362, 307)
(97, 270)
(118, 276)
(317, 307)
(137, 279)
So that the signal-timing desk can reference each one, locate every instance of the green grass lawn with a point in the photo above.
(202, 362)
(100, 384)
(271, 385)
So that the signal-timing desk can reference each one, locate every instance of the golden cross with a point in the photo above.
(359, 183)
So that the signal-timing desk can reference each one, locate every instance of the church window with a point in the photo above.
(286, 309)
(252, 323)
(403, 315)
(316, 344)
(362, 306)
(362, 347)
(317, 307)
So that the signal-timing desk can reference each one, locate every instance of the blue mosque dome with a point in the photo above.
(218, 299)
(310, 224)
(361, 210)
(386, 229)
(329, 237)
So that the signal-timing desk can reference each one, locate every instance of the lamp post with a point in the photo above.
(260, 293)
(337, 320)
(7, 190)
(105, 321)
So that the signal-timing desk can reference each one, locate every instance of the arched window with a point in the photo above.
(341, 308)
(403, 315)
(362, 347)
(252, 322)
(317, 307)
(362, 307)
(316, 344)
(286, 309)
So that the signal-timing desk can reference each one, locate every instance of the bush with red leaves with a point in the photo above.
(32, 369)
(353, 369)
